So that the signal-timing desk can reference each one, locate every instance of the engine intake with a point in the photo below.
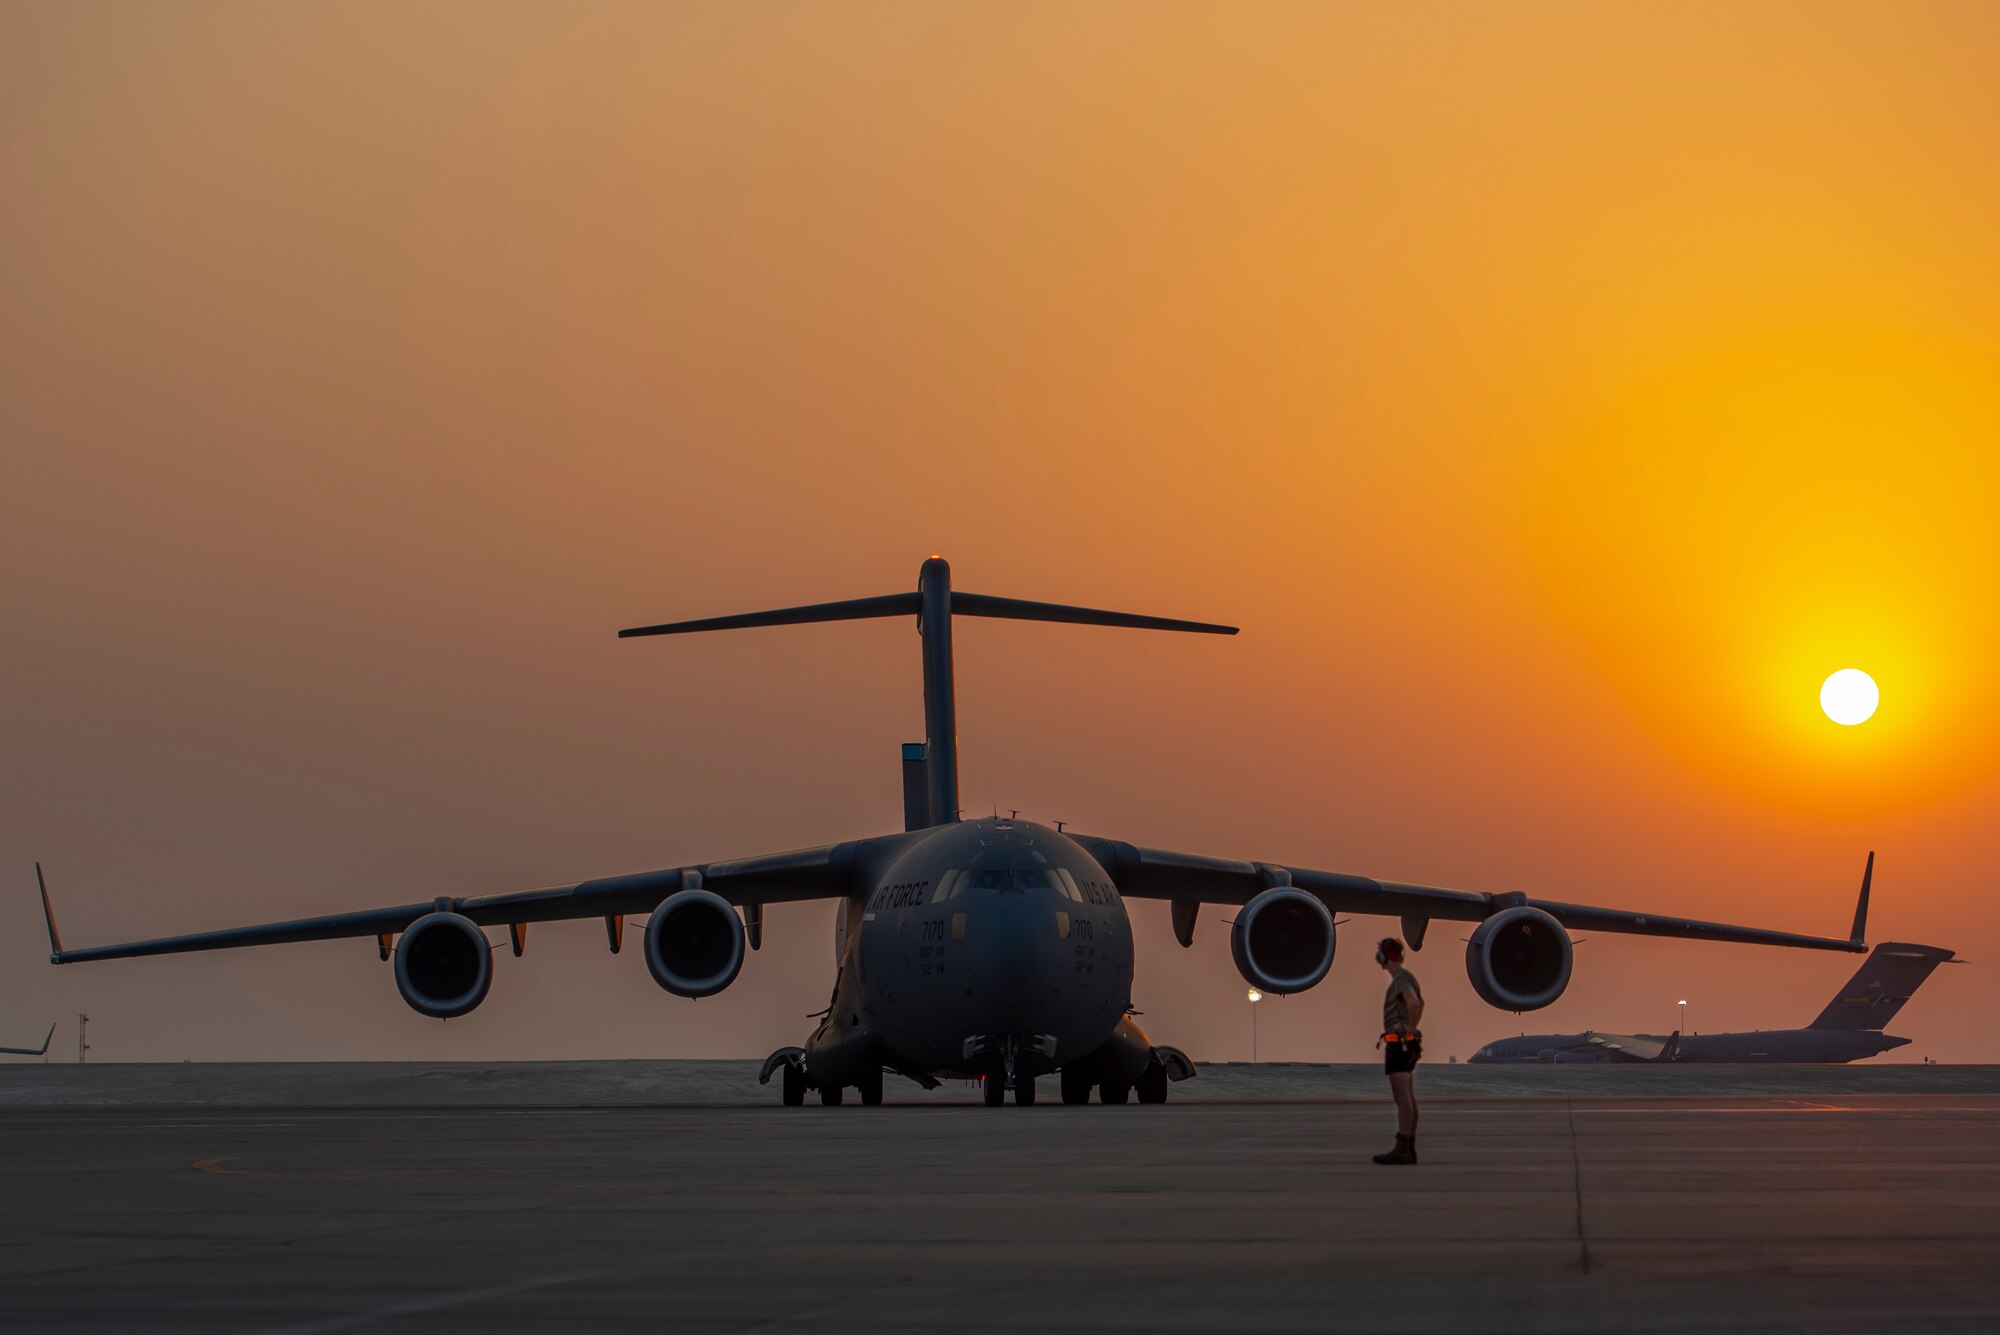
(444, 965)
(1519, 959)
(1282, 941)
(694, 943)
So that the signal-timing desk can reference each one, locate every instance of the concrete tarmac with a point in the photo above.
(1818, 1211)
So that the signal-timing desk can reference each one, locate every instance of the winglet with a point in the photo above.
(47, 1039)
(49, 916)
(1860, 934)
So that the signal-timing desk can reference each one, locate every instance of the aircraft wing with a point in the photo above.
(809, 873)
(33, 1052)
(1631, 1047)
(1194, 878)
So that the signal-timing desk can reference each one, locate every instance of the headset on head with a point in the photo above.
(1388, 949)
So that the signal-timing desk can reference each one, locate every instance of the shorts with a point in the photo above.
(1401, 1058)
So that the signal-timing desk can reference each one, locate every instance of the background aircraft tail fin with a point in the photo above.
(1886, 979)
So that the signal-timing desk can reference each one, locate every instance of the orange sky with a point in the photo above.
(1553, 394)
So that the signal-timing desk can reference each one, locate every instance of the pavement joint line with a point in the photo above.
(790, 1319)
(1576, 1177)
(434, 1303)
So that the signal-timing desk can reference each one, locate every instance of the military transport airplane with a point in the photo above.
(992, 949)
(1849, 1029)
(32, 1052)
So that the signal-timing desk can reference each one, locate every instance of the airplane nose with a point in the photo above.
(1016, 951)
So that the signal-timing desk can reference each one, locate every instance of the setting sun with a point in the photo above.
(1849, 697)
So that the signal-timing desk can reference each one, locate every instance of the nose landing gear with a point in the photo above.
(1005, 1076)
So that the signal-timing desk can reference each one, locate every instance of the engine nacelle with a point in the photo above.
(444, 965)
(694, 943)
(1519, 959)
(1282, 941)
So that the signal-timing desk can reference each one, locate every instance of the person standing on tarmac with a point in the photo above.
(1402, 1044)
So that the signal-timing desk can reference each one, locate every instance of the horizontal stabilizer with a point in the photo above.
(1018, 609)
(909, 604)
(853, 609)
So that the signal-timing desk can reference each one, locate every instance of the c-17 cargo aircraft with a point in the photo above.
(1849, 1029)
(33, 1052)
(991, 949)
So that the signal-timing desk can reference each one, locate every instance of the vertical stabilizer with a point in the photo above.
(1889, 977)
(940, 703)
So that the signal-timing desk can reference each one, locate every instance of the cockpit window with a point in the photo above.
(959, 880)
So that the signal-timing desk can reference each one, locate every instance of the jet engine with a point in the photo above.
(444, 965)
(1519, 959)
(1282, 941)
(694, 943)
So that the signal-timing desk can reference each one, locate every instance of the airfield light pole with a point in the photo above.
(1255, 997)
(1684, 1019)
(81, 1046)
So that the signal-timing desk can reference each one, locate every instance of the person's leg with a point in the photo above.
(1405, 1151)
(1406, 1103)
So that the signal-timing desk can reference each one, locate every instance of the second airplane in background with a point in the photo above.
(1849, 1029)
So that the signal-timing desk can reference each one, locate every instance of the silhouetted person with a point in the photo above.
(1402, 1044)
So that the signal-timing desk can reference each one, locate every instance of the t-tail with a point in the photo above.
(933, 604)
(1890, 976)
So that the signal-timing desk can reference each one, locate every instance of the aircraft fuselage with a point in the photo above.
(973, 942)
(1755, 1046)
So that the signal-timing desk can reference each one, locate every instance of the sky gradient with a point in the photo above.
(1554, 394)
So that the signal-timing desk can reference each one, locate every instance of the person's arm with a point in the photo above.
(1415, 1001)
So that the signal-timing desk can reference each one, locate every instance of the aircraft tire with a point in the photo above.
(1024, 1091)
(996, 1090)
(1075, 1085)
(829, 1095)
(1110, 1093)
(1152, 1086)
(870, 1086)
(794, 1086)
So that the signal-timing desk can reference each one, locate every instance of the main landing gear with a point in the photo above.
(1151, 1086)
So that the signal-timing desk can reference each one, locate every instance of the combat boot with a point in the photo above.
(1405, 1151)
